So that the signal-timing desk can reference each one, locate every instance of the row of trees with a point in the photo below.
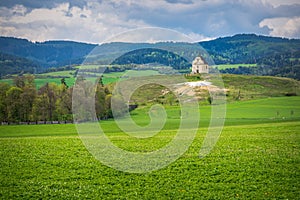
(266, 70)
(23, 102)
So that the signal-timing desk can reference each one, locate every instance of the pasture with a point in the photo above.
(256, 157)
(226, 66)
(55, 77)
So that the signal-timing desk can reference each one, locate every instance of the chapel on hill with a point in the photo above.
(199, 66)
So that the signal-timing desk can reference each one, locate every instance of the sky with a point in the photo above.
(94, 21)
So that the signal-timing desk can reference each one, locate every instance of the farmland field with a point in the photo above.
(226, 66)
(55, 77)
(39, 82)
(257, 157)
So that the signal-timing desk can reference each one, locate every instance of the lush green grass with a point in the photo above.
(256, 162)
(115, 76)
(267, 110)
(42, 81)
(39, 82)
(107, 77)
(68, 73)
(226, 66)
(252, 159)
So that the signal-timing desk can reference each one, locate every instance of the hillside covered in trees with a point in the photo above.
(251, 48)
(151, 55)
(273, 56)
(46, 54)
(11, 64)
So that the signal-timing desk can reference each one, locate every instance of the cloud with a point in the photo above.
(216, 17)
(32, 4)
(180, 1)
(282, 27)
(210, 18)
(198, 37)
(277, 3)
(91, 23)
(95, 21)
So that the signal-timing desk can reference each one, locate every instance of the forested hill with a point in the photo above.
(273, 56)
(46, 54)
(250, 48)
(10, 64)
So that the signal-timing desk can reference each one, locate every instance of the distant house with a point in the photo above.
(199, 66)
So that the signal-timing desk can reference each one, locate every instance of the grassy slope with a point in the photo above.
(251, 160)
(239, 87)
(253, 87)
(249, 86)
(269, 110)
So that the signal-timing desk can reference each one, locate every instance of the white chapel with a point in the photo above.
(199, 66)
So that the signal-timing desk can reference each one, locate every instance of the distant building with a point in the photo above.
(199, 66)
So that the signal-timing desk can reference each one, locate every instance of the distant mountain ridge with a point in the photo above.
(49, 53)
(250, 48)
(271, 53)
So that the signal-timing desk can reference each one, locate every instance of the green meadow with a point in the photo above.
(256, 157)
(55, 77)
(226, 66)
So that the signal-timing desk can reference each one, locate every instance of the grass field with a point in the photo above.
(256, 157)
(39, 82)
(253, 87)
(226, 66)
(55, 77)
(115, 76)
(69, 73)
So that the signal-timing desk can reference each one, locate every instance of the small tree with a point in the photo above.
(210, 99)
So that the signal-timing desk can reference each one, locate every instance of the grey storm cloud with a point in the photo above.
(286, 11)
(31, 4)
(225, 17)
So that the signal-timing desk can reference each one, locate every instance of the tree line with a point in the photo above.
(267, 70)
(23, 102)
